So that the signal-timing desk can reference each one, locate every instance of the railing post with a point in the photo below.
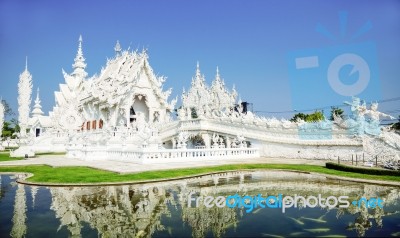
(352, 158)
(338, 160)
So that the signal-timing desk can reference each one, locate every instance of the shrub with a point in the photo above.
(373, 171)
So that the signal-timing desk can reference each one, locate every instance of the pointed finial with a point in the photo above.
(37, 108)
(80, 43)
(26, 63)
(217, 71)
(79, 62)
(198, 69)
(37, 94)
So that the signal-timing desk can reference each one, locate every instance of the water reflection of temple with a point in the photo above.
(19, 217)
(137, 210)
(145, 210)
(114, 211)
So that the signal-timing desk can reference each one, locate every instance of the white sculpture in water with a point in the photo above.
(24, 99)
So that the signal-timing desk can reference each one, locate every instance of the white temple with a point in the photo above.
(123, 113)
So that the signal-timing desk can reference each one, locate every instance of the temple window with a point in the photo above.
(37, 132)
(88, 125)
(156, 116)
(94, 125)
(100, 124)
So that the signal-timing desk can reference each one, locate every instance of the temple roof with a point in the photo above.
(41, 121)
(126, 71)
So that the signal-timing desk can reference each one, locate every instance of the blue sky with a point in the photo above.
(250, 41)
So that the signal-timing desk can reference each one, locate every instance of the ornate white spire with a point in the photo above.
(218, 79)
(198, 95)
(79, 62)
(24, 99)
(117, 48)
(198, 79)
(221, 98)
(1, 117)
(37, 108)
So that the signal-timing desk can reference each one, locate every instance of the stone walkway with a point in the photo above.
(126, 167)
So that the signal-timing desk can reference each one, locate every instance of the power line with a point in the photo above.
(327, 107)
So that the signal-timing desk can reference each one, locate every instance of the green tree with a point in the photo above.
(9, 127)
(8, 130)
(299, 116)
(336, 111)
(7, 109)
(316, 116)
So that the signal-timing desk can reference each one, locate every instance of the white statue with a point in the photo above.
(182, 139)
(375, 114)
(241, 140)
(215, 139)
(373, 126)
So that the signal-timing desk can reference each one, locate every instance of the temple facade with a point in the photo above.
(123, 113)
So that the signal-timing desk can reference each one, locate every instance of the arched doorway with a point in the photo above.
(139, 108)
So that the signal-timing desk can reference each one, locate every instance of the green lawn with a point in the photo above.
(50, 153)
(5, 156)
(67, 175)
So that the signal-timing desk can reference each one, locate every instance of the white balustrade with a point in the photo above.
(161, 156)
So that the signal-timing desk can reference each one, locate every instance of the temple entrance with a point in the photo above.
(139, 109)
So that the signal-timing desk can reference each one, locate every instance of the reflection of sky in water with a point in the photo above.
(160, 209)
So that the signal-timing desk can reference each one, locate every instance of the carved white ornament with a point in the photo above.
(216, 101)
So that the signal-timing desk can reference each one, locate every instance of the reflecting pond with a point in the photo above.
(164, 209)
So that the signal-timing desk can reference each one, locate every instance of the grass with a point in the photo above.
(6, 157)
(50, 153)
(71, 175)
